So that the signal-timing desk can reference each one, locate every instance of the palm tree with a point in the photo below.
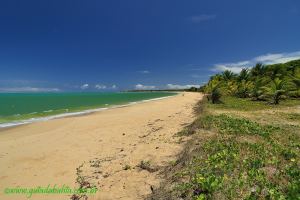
(215, 95)
(244, 89)
(257, 93)
(295, 79)
(231, 87)
(258, 70)
(276, 89)
(228, 75)
(244, 75)
(276, 71)
(213, 90)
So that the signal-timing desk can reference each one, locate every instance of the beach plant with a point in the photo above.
(238, 158)
(127, 167)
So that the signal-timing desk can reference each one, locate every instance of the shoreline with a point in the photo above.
(102, 145)
(8, 125)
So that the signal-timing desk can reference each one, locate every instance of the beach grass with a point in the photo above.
(246, 104)
(235, 154)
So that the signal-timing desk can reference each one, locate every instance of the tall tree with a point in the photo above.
(244, 75)
(258, 70)
(228, 75)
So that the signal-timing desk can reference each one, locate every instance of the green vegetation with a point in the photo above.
(127, 167)
(270, 83)
(238, 150)
(245, 104)
(245, 143)
(238, 126)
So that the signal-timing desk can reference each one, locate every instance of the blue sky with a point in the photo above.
(99, 45)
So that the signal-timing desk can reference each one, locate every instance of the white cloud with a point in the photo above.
(144, 87)
(100, 87)
(113, 87)
(29, 89)
(223, 67)
(265, 59)
(144, 72)
(234, 67)
(175, 86)
(278, 58)
(268, 57)
(84, 86)
(201, 18)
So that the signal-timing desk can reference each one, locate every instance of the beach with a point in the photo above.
(105, 148)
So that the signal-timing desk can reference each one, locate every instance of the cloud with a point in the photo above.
(175, 86)
(265, 59)
(144, 72)
(103, 87)
(144, 87)
(278, 58)
(234, 67)
(29, 89)
(84, 86)
(100, 87)
(201, 18)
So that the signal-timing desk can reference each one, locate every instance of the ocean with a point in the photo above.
(23, 108)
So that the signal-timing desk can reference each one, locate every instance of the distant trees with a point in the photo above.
(262, 82)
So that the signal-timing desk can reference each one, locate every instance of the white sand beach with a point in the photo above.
(104, 143)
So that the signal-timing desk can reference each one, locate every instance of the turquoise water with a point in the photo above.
(21, 106)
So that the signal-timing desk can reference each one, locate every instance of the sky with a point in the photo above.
(112, 45)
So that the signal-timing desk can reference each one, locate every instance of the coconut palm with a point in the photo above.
(258, 70)
(244, 75)
(295, 80)
(215, 95)
(230, 87)
(244, 88)
(257, 93)
(276, 89)
(228, 75)
(213, 90)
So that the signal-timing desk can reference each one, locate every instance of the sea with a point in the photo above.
(24, 108)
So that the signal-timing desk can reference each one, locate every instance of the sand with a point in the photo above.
(103, 143)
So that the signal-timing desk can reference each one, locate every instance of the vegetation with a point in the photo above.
(270, 83)
(245, 143)
(239, 149)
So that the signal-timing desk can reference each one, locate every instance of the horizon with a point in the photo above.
(64, 46)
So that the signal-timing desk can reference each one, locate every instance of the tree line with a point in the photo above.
(270, 83)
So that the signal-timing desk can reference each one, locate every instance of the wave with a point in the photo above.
(46, 111)
(89, 111)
